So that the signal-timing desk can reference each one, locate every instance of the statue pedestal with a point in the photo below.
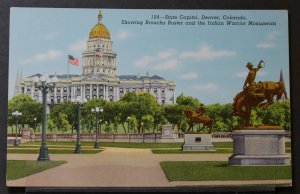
(259, 146)
(197, 142)
(167, 134)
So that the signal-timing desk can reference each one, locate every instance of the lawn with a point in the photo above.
(216, 170)
(21, 168)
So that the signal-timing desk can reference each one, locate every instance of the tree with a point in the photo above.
(174, 114)
(50, 124)
(148, 122)
(138, 105)
(62, 123)
(188, 102)
(29, 107)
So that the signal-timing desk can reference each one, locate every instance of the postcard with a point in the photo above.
(148, 98)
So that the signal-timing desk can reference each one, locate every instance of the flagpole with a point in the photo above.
(68, 80)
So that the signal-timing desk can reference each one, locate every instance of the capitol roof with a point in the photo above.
(99, 30)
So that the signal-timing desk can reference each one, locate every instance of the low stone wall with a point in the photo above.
(129, 137)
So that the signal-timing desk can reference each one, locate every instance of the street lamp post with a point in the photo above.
(16, 114)
(79, 101)
(34, 129)
(45, 84)
(128, 118)
(97, 110)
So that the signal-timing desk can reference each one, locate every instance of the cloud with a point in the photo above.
(167, 54)
(189, 76)
(167, 65)
(205, 52)
(48, 55)
(208, 87)
(51, 36)
(164, 60)
(80, 45)
(269, 41)
(123, 34)
(144, 61)
(265, 45)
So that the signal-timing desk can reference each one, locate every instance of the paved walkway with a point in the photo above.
(118, 167)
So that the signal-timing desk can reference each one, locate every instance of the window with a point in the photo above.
(65, 89)
(127, 89)
(155, 90)
(162, 90)
(148, 90)
(87, 97)
(121, 90)
(101, 96)
(36, 89)
(111, 89)
(28, 89)
(58, 89)
(134, 90)
(94, 96)
(95, 88)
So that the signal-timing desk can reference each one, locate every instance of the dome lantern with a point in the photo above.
(100, 17)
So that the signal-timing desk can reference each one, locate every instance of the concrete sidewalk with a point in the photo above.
(118, 167)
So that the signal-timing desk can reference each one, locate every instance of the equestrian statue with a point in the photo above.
(256, 94)
(198, 117)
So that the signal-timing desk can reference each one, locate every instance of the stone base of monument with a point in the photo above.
(197, 142)
(167, 134)
(259, 146)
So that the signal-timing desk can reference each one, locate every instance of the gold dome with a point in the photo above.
(99, 31)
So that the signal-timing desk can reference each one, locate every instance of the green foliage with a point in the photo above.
(148, 122)
(222, 116)
(29, 108)
(188, 102)
(61, 122)
(50, 124)
(174, 113)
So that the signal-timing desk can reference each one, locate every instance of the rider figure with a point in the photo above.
(201, 110)
(250, 84)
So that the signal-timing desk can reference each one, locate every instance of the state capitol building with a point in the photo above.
(99, 78)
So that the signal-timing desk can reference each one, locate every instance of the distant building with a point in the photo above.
(99, 78)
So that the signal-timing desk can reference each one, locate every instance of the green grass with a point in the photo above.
(21, 168)
(210, 171)
(179, 151)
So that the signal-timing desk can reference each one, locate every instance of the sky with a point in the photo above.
(204, 61)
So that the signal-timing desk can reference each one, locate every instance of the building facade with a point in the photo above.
(99, 77)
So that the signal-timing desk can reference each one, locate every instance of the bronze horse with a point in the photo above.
(263, 96)
(194, 117)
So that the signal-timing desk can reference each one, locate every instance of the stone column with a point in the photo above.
(91, 91)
